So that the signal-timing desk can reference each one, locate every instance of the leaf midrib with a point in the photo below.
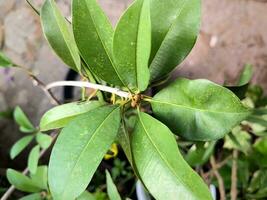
(162, 157)
(197, 109)
(86, 146)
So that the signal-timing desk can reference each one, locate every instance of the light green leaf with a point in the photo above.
(21, 182)
(93, 34)
(33, 159)
(161, 166)
(40, 178)
(60, 116)
(20, 145)
(86, 196)
(246, 75)
(111, 188)
(43, 140)
(5, 61)
(198, 109)
(59, 35)
(23, 121)
(35, 196)
(175, 26)
(131, 45)
(80, 148)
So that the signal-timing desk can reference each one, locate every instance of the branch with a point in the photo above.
(234, 176)
(89, 85)
(12, 188)
(219, 178)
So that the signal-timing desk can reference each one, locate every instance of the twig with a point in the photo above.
(234, 176)
(89, 85)
(12, 188)
(219, 178)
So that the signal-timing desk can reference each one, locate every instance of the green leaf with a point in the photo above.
(198, 109)
(80, 148)
(111, 188)
(35, 196)
(93, 34)
(160, 164)
(175, 26)
(260, 111)
(86, 196)
(40, 178)
(20, 145)
(59, 35)
(43, 140)
(23, 121)
(261, 145)
(131, 45)
(33, 159)
(246, 75)
(60, 116)
(21, 182)
(258, 120)
(5, 61)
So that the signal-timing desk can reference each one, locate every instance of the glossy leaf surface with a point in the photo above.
(59, 35)
(93, 34)
(111, 188)
(131, 45)
(175, 25)
(160, 164)
(60, 116)
(21, 182)
(33, 159)
(20, 145)
(198, 109)
(80, 148)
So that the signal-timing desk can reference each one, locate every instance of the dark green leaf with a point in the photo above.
(39, 179)
(23, 121)
(261, 145)
(43, 140)
(20, 145)
(21, 182)
(79, 150)
(86, 196)
(160, 164)
(35, 196)
(260, 111)
(93, 34)
(111, 188)
(59, 35)
(258, 120)
(198, 109)
(132, 42)
(5, 61)
(33, 159)
(175, 25)
(60, 116)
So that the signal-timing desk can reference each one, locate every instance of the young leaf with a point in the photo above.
(175, 25)
(161, 166)
(86, 196)
(39, 179)
(59, 35)
(23, 121)
(131, 45)
(35, 196)
(43, 140)
(111, 188)
(20, 145)
(246, 75)
(60, 116)
(5, 61)
(33, 159)
(21, 182)
(93, 34)
(80, 148)
(198, 109)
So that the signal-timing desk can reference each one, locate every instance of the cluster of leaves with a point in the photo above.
(150, 40)
(248, 140)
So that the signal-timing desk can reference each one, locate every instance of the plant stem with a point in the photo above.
(218, 177)
(90, 85)
(12, 188)
(234, 176)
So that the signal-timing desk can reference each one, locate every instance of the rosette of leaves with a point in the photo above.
(149, 41)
